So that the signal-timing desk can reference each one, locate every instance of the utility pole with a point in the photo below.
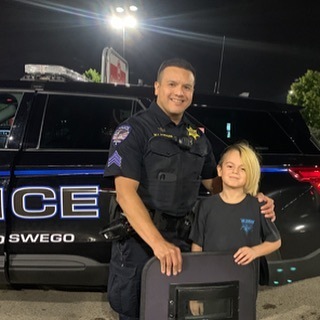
(217, 84)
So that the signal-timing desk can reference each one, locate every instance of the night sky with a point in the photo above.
(268, 44)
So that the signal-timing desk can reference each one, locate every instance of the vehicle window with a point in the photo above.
(259, 128)
(295, 126)
(8, 106)
(77, 122)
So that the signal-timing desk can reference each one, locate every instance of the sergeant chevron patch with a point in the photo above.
(116, 159)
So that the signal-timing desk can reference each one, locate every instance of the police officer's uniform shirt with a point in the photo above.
(145, 148)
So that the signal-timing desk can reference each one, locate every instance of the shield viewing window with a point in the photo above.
(204, 301)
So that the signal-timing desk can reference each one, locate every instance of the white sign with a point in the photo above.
(114, 68)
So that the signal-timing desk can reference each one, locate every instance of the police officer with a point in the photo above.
(158, 160)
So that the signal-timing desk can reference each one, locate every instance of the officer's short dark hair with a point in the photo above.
(176, 62)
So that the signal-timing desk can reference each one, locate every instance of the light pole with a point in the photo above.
(217, 83)
(123, 18)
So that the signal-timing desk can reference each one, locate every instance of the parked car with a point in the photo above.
(54, 200)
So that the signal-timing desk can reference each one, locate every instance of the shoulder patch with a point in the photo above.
(121, 134)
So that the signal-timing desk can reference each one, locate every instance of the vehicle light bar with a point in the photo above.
(43, 70)
(307, 174)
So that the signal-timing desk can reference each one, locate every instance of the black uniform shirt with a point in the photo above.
(168, 160)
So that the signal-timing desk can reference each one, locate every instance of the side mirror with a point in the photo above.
(7, 113)
(8, 107)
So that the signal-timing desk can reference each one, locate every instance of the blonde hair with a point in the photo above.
(251, 163)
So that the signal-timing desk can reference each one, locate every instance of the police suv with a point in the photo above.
(54, 201)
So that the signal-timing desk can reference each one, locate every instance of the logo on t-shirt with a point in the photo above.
(247, 225)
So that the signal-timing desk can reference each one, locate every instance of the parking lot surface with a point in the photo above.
(296, 301)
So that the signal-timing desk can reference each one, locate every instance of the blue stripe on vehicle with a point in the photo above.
(4, 173)
(57, 172)
(273, 170)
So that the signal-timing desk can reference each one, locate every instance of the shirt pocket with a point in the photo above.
(164, 147)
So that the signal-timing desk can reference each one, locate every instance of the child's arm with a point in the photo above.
(245, 255)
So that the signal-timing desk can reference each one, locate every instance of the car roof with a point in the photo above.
(200, 100)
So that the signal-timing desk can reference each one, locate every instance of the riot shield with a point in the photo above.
(211, 286)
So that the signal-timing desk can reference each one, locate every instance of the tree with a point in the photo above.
(305, 92)
(93, 75)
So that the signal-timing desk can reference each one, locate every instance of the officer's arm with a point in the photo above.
(140, 220)
(213, 185)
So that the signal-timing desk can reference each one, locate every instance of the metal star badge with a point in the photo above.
(193, 133)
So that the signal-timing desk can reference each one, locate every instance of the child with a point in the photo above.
(231, 220)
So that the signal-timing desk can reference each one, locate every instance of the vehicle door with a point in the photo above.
(60, 200)
(11, 130)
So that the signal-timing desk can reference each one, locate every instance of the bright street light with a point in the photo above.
(122, 19)
(123, 22)
(119, 9)
(133, 8)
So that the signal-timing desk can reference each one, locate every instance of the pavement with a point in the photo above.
(296, 301)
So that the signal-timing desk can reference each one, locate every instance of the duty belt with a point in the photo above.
(165, 222)
(120, 228)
